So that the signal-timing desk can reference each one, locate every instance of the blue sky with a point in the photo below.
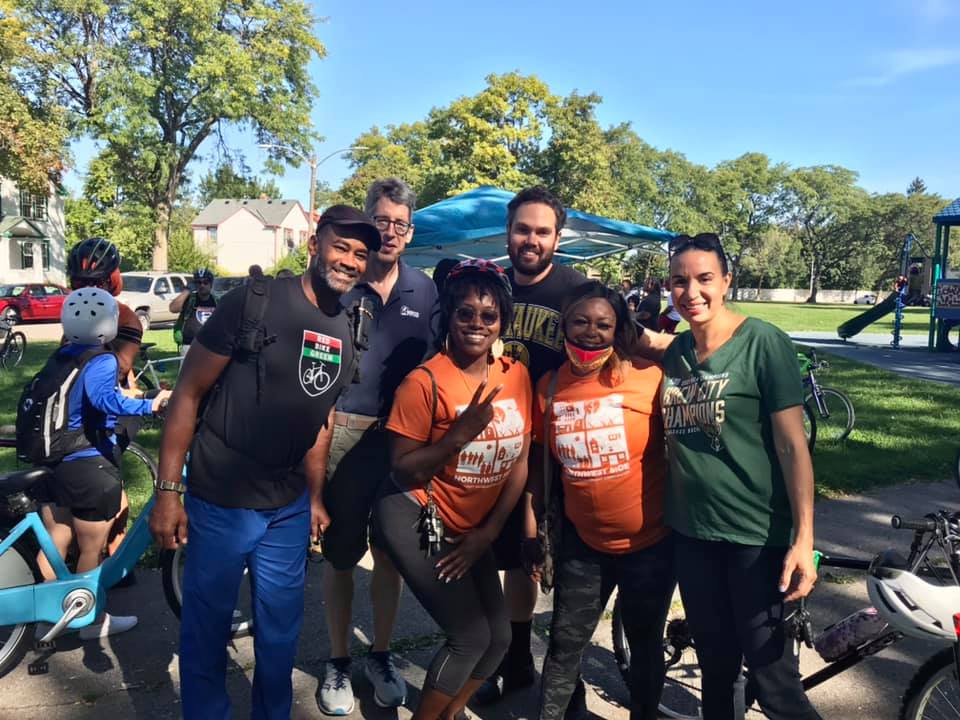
(868, 85)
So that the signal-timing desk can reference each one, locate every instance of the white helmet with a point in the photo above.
(89, 316)
(911, 605)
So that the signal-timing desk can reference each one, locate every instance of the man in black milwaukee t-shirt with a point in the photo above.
(255, 461)
(535, 218)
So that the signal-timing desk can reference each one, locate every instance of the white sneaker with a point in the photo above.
(389, 688)
(109, 625)
(336, 691)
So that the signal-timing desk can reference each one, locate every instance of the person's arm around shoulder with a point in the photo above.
(652, 345)
(201, 368)
(176, 305)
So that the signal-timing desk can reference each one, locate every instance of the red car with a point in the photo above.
(31, 301)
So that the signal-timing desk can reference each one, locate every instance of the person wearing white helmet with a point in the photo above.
(86, 487)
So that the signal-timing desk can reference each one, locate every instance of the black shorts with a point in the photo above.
(358, 463)
(89, 487)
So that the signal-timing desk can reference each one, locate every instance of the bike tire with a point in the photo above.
(837, 424)
(934, 683)
(171, 570)
(956, 468)
(14, 349)
(16, 570)
(810, 426)
(682, 687)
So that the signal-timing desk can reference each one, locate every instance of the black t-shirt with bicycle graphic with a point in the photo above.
(251, 441)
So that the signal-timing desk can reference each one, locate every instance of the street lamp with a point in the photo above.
(313, 163)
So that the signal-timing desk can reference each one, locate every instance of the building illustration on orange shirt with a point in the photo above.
(590, 437)
(488, 458)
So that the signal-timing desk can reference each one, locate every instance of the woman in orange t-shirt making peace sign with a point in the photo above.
(460, 428)
(606, 435)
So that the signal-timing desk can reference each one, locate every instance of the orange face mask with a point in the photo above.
(586, 359)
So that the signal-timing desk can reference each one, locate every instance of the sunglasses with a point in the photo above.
(700, 241)
(466, 315)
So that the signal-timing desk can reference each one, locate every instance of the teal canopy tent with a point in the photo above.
(473, 225)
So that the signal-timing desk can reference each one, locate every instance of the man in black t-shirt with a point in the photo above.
(256, 462)
(194, 308)
(535, 218)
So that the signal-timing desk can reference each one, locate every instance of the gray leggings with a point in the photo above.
(470, 611)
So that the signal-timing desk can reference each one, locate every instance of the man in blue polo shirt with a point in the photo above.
(399, 304)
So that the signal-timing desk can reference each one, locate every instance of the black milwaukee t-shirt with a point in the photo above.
(249, 443)
(535, 338)
(201, 311)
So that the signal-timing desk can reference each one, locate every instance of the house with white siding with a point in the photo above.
(32, 234)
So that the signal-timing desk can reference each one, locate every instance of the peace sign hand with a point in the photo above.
(475, 417)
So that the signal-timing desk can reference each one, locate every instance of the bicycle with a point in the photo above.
(682, 686)
(14, 346)
(834, 418)
(152, 374)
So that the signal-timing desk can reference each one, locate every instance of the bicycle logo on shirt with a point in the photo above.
(316, 380)
(320, 360)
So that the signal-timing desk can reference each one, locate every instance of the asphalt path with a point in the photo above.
(135, 675)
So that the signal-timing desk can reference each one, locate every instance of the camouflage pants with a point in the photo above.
(585, 579)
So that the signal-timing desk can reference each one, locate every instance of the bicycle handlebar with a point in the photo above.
(925, 525)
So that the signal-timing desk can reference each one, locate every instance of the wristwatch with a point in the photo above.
(177, 487)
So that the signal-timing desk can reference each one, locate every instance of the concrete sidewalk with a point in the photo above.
(135, 675)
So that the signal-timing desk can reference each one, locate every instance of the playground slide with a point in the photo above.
(856, 324)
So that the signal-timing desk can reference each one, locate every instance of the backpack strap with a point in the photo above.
(547, 410)
(252, 335)
(433, 414)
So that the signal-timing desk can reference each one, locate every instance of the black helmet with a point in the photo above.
(93, 259)
(203, 274)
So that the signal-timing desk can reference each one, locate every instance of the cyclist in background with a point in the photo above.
(86, 488)
(194, 307)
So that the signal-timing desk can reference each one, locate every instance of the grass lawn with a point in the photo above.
(791, 317)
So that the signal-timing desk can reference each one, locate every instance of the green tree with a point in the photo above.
(917, 187)
(822, 200)
(154, 79)
(33, 132)
(233, 181)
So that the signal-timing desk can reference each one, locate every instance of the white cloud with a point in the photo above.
(900, 63)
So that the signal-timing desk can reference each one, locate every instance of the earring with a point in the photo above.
(496, 350)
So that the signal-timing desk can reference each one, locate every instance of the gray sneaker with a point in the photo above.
(336, 691)
(389, 688)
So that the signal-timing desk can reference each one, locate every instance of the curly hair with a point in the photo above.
(455, 291)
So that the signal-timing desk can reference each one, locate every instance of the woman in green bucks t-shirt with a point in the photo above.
(740, 494)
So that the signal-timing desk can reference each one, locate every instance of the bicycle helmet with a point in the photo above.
(910, 604)
(482, 267)
(95, 262)
(203, 274)
(89, 316)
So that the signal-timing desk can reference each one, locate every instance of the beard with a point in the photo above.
(530, 266)
(328, 276)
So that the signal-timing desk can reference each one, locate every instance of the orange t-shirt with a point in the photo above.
(609, 443)
(467, 488)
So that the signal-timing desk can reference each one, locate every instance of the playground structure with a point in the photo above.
(945, 308)
(920, 276)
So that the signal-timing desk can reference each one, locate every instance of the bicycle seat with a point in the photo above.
(12, 483)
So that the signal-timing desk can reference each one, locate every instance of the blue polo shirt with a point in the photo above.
(401, 336)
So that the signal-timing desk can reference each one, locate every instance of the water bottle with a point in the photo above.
(850, 633)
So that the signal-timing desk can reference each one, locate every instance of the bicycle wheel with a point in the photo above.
(171, 567)
(16, 571)
(810, 426)
(956, 468)
(836, 419)
(682, 682)
(15, 347)
(934, 691)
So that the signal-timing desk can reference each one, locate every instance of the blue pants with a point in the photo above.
(223, 541)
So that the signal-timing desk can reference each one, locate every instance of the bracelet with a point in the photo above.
(177, 487)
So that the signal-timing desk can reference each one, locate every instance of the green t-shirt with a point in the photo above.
(725, 479)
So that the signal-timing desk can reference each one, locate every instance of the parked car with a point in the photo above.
(223, 285)
(31, 301)
(868, 299)
(149, 294)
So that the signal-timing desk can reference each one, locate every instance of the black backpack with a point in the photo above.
(43, 411)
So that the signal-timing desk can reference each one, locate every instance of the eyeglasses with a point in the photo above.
(466, 315)
(400, 227)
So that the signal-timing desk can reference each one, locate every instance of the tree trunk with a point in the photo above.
(735, 284)
(814, 281)
(161, 235)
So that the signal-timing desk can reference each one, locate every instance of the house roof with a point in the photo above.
(950, 215)
(271, 212)
(16, 226)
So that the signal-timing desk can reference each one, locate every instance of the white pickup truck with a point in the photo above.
(149, 294)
